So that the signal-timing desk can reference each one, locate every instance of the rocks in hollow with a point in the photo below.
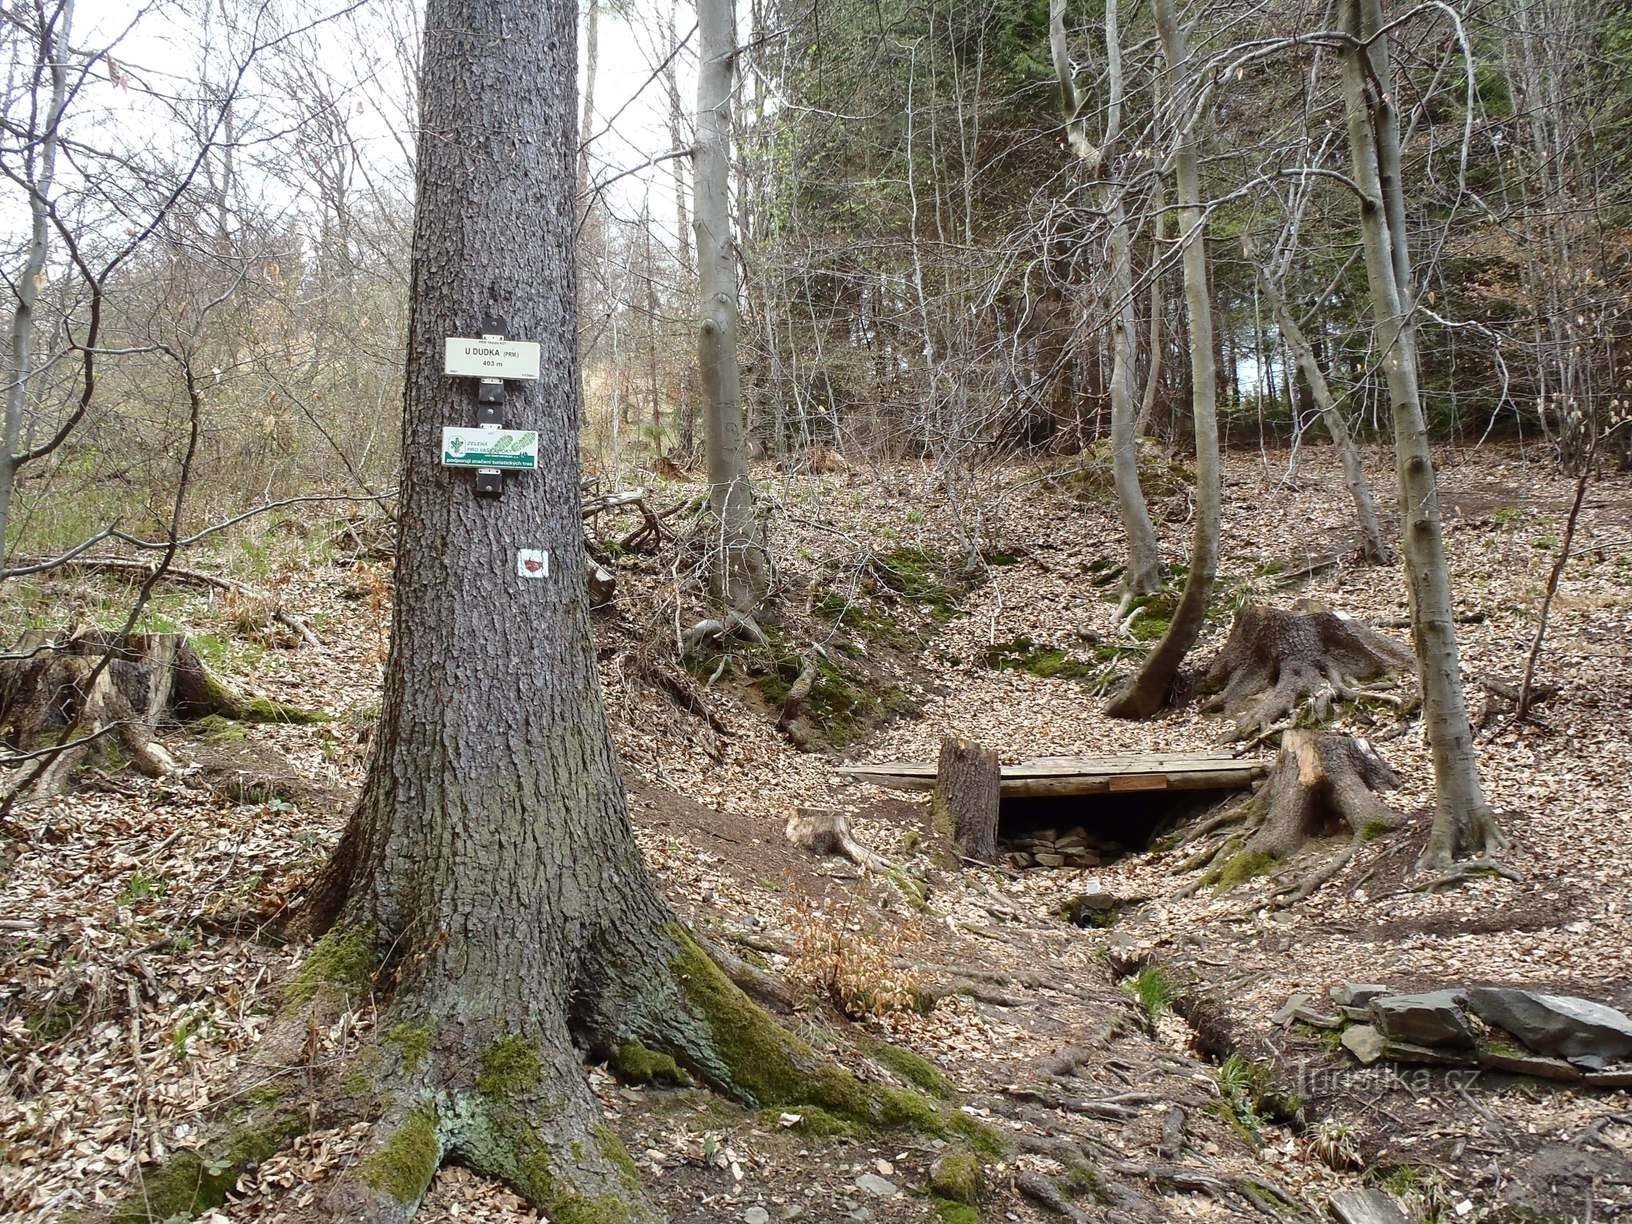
(1364, 1042)
(1075, 847)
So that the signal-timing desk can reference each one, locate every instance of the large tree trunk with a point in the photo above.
(1463, 822)
(1148, 691)
(1143, 574)
(488, 889)
(739, 563)
(1373, 545)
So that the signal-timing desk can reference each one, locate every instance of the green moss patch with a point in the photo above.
(950, 1211)
(1240, 867)
(813, 1120)
(956, 1176)
(925, 580)
(633, 1063)
(403, 1168)
(192, 1182)
(915, 1069)
(765, 1065)
(342, 958)
(1049, 662)
(510, 1068)
(413, 1041)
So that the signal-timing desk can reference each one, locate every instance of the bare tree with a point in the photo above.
(1143, 574)
(739, 563)
(1373, 545)
(1463, 821)
(37, 175)
(1148, 690)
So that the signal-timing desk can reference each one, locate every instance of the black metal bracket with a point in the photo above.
(490, 405)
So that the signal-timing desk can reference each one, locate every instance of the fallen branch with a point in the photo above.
(187, 577)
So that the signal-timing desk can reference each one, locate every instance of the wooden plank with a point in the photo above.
(1084, 775)
(1138, 782)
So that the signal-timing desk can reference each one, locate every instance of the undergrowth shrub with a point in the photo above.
(856, 968)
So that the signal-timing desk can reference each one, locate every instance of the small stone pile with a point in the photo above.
(1493, 1028)
(1076, 847)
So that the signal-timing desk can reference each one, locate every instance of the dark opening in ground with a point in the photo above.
(1091, 830)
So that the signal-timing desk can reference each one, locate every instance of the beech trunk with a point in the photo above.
(1463, 822)
(737, 550)
(1148, 690)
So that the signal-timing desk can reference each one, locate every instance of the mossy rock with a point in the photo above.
(950, 1211)
(956, 1176)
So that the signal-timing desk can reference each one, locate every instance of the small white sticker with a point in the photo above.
(532, 563)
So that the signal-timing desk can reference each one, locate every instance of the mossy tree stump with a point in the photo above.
(964, 805)
(1276, 658)
(107, 688)
(1322, 785)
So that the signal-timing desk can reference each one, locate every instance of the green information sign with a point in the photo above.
(489, 447)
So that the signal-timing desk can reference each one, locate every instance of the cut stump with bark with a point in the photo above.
(1321, 786)
(824, 831)
(1276, 658)
(93, 689)
(964, 805)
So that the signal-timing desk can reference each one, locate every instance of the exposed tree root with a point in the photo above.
(1321, 785)
(1471, 869)
(1276, 658)
(67, 697)
(440, 1082)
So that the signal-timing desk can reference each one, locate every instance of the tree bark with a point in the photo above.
(488, 889)
(1373, 544)
(1153, 375)
(1463, 822)
(964, 805)
(1148, 690)
(739, 562)
(1143, 574)
(55, 33)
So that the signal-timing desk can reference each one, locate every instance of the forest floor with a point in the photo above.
(133, 986)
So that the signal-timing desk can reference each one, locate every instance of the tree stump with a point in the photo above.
(1276, 658)
(824, 831)
(107, 688)
(965, 802)
(1322, 785)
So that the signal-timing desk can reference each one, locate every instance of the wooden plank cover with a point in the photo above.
(1085, 775)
